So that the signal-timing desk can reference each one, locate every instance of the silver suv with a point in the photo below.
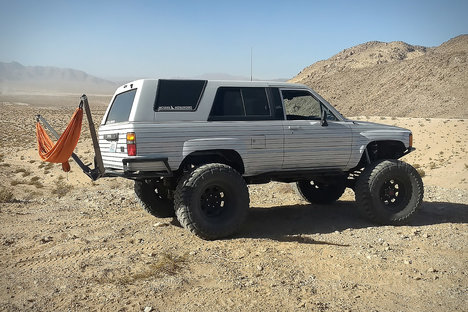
(192, 146)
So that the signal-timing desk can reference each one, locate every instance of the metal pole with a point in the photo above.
(97, 151)
(251, 63)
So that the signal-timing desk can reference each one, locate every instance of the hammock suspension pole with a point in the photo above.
(98, 170)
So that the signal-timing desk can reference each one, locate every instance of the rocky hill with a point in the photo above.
(16, 78)
(395, 79)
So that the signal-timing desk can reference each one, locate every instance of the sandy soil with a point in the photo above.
(67, 243)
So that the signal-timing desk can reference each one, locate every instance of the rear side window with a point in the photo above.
(121, 107)
(240, 104)
(178, 94)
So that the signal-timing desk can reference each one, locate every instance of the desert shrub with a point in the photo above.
(166, 264)
(35, 181)
(61, 189)
(5, 195)
(16, 182)
(26, 173)
(421, 172)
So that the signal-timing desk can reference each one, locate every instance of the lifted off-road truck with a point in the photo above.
(192, 146)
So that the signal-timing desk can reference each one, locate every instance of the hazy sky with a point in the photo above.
(187, 38)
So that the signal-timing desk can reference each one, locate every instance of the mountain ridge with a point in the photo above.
(17, 78)
(394, 79)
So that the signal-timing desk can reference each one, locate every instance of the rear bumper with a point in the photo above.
(142, 167)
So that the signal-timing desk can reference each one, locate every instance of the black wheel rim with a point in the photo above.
(393, 194)
(213, 201)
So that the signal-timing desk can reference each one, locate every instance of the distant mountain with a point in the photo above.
(395, 79)
(16, 78)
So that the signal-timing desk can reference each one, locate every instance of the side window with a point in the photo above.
(300, 105)
(275, 99)
(178, 94)
(255, 102)
(240, 104)
(228, 102)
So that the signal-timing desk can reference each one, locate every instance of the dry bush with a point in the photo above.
(6, 195)
(26, 173)
(167, 264)
(16, 182)
(35, 181)
(61, 189)
(421, 172)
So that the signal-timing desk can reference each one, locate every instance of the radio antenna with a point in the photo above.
(251, 63)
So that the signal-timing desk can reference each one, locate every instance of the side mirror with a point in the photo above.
(323, 119)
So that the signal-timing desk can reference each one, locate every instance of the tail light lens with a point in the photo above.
(131, 144)
(411, 140)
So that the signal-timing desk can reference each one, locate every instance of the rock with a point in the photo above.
(46, 239)
(431, 270)
(407, 262)
(148, 309)
(259, 267)
(160, 224)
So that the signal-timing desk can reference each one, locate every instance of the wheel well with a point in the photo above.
(382, 150)
(227, 157)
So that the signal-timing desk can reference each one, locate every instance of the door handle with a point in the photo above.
(294, 127)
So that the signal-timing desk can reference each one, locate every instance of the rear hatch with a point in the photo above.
(114, 128)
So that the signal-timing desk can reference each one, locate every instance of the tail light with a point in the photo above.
(131, 144)
(411, 140)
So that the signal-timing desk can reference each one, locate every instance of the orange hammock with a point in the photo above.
(62, 150)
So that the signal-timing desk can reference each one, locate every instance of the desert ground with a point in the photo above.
(70, 244)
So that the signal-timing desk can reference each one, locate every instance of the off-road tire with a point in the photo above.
(321, 192)
(212, 201)
(153, 197)
(389, 192)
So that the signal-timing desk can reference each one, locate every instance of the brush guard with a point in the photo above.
(98, 170)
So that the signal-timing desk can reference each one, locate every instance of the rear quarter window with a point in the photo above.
(178, 95)
(121, 107)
